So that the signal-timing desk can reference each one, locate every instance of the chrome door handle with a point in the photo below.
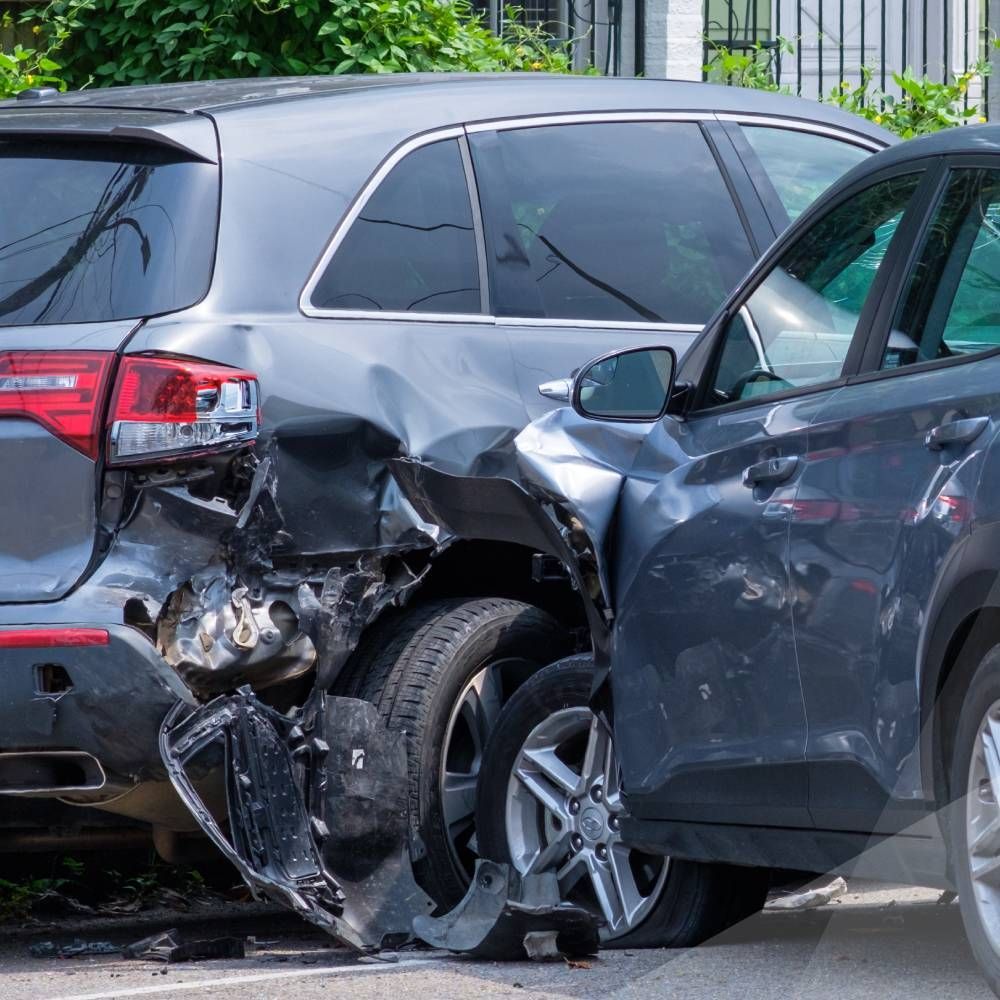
(771, 471)
(956, 432)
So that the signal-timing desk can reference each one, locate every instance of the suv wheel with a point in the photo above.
(975, 814)
(550, 800)
(441, 672)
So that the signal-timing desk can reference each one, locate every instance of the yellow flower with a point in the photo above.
(536, 65)
(982, 118)
(845, 85)
(37, 29)
(878, 119)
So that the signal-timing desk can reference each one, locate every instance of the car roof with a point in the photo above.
(460, 96)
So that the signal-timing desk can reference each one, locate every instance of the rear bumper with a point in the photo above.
(112, 707)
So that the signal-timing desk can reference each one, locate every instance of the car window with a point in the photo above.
(413, 247)
(801, 165)
(100, 231)
(952, 302)
(612, 221)
(796, 327)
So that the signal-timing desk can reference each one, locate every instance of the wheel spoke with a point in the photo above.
(985, 869)
(987, 841)
(542, 790)
(481, 706)
(628, 892)
(606, 892)
(570, 874)
(990, 741)
(560, 774)
(550, 856)
(595, 758)
(458, 799)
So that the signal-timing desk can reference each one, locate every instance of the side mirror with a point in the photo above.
(632, 385)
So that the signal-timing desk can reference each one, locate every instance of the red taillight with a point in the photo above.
(164, 407)
(48, 638)
(61, 390)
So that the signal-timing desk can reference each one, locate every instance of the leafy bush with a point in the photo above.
(23, 68)
(153, 41)
(924, 105)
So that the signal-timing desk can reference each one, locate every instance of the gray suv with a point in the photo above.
(227, 306)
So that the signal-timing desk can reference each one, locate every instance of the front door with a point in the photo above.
(709, 715)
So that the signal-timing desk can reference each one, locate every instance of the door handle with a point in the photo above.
(771, 471)
(956, 432)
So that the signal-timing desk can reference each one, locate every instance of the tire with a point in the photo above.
(971, 787)
(685, 902)
(419, 668)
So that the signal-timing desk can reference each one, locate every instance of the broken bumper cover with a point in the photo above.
(109, 705)
(317, 808)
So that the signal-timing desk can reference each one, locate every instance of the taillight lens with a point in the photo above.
(164, 407)
(61, 390)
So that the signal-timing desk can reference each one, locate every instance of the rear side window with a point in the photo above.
(626, 221)
(413, 247)
(801, 165)
(100, 232)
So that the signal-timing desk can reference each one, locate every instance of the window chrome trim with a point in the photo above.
(597, 324)
(350, 216)
(394, 316)
(587, 117)
(799, 125)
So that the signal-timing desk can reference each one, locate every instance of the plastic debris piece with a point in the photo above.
(72, 949)
(506, 917)
(809, 898)
(169, 947)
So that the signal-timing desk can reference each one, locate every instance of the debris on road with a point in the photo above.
(505, 916)
(809, 898)
(169, 947)
(74, 949)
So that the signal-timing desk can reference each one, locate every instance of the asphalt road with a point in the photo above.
(869, 944)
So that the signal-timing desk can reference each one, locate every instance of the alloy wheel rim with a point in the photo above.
(563, 814)
(982, 817)
(473, 716)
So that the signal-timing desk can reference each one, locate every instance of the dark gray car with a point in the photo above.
(227, 306)
(792, 546)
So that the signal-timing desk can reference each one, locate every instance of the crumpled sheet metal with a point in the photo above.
(506, 916)
(317, 808)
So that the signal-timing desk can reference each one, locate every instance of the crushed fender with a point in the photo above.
(317, 808)
(505, 916)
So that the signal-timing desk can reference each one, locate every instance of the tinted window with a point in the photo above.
(102, 232)
(801, 165)
(413, 247)
(795, 329)
(952, 301)
(616, 221)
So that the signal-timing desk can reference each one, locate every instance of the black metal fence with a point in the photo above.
(607, 34)
(834, 39)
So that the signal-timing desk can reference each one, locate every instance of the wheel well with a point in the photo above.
(503, 569)
(975, 635)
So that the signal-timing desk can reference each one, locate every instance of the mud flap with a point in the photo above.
(317, 808)
(506, 916)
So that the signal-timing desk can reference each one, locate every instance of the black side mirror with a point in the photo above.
(632, 385)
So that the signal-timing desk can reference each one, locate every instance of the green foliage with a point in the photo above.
(25, 67)
(19, 899)
(925, 105)
(153, 41)
(755, 68)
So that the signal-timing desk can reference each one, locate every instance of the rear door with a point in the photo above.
(602, 233)
(97, 233)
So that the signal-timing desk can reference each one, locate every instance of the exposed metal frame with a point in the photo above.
(460, 133)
